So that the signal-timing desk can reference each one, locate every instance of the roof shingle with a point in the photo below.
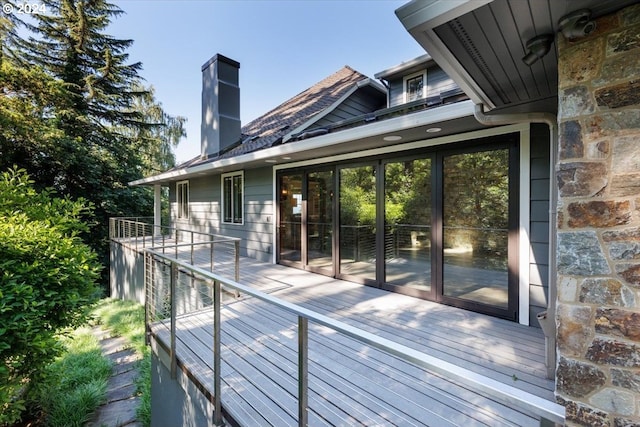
(268, 129)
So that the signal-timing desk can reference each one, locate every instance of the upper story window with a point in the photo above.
(233, 198)
(182, 199)
(415, 86)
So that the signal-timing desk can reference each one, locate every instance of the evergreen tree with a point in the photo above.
(96, 127)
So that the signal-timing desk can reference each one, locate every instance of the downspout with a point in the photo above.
(545, 318)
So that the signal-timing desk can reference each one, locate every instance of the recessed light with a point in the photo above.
(434, 130)
(286, 158)
(271, 161)
(392, 138)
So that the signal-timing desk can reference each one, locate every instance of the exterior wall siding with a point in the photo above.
(205, 211)
(437, 82)
(358, 104)
(539, 221)
(598, 259)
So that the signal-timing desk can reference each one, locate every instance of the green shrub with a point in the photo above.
(47, 282)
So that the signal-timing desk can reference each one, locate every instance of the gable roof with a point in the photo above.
(292, 115)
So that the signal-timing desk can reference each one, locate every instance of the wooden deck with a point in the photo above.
(351, 383)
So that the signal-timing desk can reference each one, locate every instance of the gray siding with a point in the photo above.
(359, 103)
(539, 222)
(437, 82)
(204, 211)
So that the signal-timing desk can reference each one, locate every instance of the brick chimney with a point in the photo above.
(220, 126)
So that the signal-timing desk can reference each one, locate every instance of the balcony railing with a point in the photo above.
(173, 285)
(140, 233)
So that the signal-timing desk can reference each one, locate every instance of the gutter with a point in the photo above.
(421, 118)
(545, 318)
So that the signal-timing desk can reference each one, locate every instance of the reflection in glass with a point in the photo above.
(407, 234)
(319, 219)
(290, 226)
(475, 218)
(357, 222)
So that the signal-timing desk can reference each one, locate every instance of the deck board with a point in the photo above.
(350, 383)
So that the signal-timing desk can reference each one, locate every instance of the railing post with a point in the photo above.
(149, 282)
(192, 248)
(172, 290)
(217, 357)
(237, 265)
(211, 254)
(176, 243)
(237, 260)
(303, 371)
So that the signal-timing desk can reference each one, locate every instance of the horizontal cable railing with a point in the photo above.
(217, 252)
(200, 288)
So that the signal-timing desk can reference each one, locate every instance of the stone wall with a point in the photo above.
(598, 252)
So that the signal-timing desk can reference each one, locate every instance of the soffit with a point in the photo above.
(481, 43)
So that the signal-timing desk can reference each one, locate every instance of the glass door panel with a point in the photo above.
(407, 230)
(476, 227)
(320, 220)
(290, 219)
(358, 222)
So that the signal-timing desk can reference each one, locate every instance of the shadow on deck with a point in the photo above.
(350, 383)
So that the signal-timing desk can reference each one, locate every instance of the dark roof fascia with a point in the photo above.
(389, 112)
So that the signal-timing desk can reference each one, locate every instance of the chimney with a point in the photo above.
(220, 126)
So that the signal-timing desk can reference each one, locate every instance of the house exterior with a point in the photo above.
(351, 177)
(466, 176)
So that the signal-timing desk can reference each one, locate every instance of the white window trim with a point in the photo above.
(180, 214)
(405, 94)
(222, 205)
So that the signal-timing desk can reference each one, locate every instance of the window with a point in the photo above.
(414, 86)
(182, 199)
(232, 198)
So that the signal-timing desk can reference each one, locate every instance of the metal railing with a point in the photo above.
(140, 233)
(164, 305)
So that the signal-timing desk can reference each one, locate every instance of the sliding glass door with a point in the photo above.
(439, 224)
(290, 219)
(407, 225)
(319, 221)
(479, 226)
(358, 222)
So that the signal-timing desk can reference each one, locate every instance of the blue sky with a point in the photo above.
(283, 48)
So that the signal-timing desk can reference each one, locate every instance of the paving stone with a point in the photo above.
(123, 379)
(124, 367)
(122, 402)
(121, 393)
(113, 345)
(117, 414)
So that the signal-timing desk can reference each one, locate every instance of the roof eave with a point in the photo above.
(421, 60)
(420, 17)
(422, 118)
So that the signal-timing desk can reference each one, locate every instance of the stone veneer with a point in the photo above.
(598, 252)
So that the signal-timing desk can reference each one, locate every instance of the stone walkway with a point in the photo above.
(121, 404)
